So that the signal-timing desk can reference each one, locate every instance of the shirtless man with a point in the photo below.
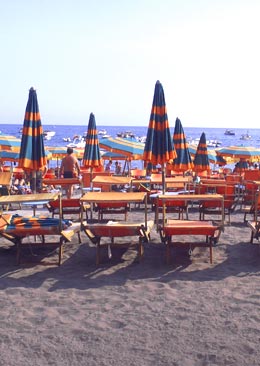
(69, 169)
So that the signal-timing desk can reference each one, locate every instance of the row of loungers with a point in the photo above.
(46, 232)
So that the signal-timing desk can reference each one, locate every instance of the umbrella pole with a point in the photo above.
(34, 181)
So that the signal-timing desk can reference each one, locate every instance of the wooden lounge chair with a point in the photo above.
(19, 230)
(70, 206)
(112, 230)
(112, 208)
(172, 228)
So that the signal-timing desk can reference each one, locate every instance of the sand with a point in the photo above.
(188, 313)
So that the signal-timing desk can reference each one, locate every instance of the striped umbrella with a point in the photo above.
(91, 157)
(240, 152)
(159, 147)
(133, 150)
(8, 142)
(183, 160)
(201, 160)
(32, 156)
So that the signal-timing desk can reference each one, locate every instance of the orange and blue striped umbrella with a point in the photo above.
(240, 152)
(32, 154)
(91, 157)
(183, 161)
(132, 150)
(201, 160)
(159, 148)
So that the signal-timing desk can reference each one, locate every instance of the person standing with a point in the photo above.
(69, 169)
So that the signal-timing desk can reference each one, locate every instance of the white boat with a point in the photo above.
(245, 136)
(66, 139)
(48, 134)
(102, 132)
(229, 132)
(77, 142)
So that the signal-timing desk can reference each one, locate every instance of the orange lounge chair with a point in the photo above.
(18, 229)
(112, 230)
(187, 227)
(69, 206)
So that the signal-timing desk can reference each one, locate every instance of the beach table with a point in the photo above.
(62, 181)
(114, 197)
(112, 180)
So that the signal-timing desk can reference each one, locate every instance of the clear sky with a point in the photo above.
(104, 56)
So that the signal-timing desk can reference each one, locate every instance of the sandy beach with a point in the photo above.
(188, 313)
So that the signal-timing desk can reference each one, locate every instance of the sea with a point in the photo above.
(192, 133)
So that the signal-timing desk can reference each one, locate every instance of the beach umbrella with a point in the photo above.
(91, 157)
(133, 150)
(183, 161)
(8, 155)
(8, 142)
(240, 152)
(159, 147)
(201, 160)
(32, 156)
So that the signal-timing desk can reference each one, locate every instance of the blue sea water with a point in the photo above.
(190, 132)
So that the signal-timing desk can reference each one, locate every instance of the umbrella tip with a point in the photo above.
(32, 88)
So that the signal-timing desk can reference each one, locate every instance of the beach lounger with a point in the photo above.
(33, 231)
(255, 230)
(69, 206)
(112, 230)
(174, 228)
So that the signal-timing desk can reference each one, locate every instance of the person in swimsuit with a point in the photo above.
(69, 169)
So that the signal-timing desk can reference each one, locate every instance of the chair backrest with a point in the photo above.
(5, 179)
(138, 173)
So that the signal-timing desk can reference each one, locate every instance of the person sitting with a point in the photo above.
(118, 169)
(108, 166)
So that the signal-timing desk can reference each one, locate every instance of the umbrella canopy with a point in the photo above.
(159, 147)
(240, 152)
(8, 155)
(91, 157)
(32, 154)
(183, 160)
(8, 142)
(201, 160)
(133, 150)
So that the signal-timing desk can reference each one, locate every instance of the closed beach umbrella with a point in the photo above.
(91, 157)
(32, 156)
(159, 147)
(201, 160)
(183, 160)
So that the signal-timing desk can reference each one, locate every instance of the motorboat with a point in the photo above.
(229, 132)
(47, 135)
(102, 132)
(66, 139)
(77, 142)
(126, 135)
(245, 136)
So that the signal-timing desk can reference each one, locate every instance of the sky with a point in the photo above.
(105, 56)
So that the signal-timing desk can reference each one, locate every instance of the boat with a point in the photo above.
(126, 135)
(245, 136)
(66, 139)
(102, 132)
(77, 142)
(47, 135)
(229, 132)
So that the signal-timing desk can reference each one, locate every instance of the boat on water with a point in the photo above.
(210, 143)
(102, 132)
(47, 134)
(245, 136)
(66, 139)
(78, 141)
(229, 132)
(126, 135)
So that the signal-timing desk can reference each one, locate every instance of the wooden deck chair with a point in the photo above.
(20, 230)
(175, 228)
(70, 206)
(110, 231)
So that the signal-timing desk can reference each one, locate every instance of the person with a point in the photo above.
(108, 166)
(118, 169)
(69, 169)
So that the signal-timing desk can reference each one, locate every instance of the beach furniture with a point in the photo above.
(69, 206)
(36, 231)
(112, 230)
(172, 229)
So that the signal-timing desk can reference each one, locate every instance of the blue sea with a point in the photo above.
(64, 131)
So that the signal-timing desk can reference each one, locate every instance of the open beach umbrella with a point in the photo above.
(183, 160)
(32, 156)
(240, 152)
(133, 150)
(8, 142)
(159, 148)
(59, 152)
(91, 157)
(201, 160)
